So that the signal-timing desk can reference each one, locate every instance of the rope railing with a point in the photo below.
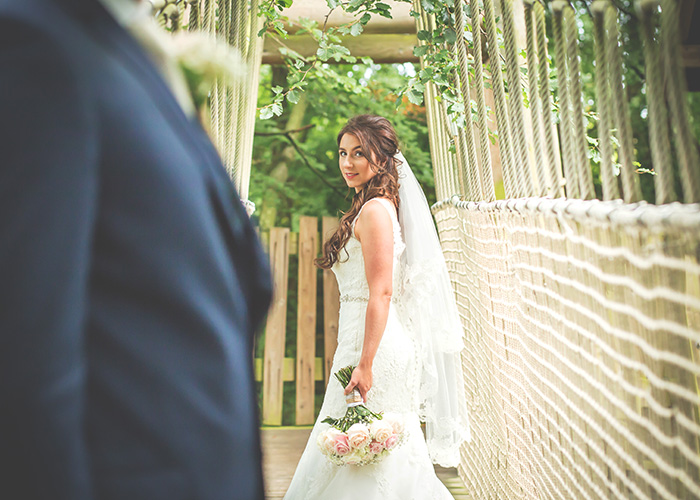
(581, 317)
(511, 185)
(581, 334)
(609, 183)
(675, 163)
(232, 105)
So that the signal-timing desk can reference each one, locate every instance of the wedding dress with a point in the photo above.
(407, 473)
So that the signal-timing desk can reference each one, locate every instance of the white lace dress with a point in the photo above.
(407, 472)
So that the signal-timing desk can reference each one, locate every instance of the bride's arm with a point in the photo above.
(375, 232)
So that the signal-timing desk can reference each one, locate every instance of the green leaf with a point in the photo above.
(332, 4)
(277, 89)
(415, 97)
(450, 36)
(421, 50)
(266, 113)
(322, 54)
(365, 18)
(457, 107)
(428, 6)
(424, 35)
(425, 74)
(277, 108)
(414, 13)
(356, 29)
(294, 95)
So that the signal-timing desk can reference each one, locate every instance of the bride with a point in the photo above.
(398, 325)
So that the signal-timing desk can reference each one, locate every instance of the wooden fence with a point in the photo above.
(274, 369)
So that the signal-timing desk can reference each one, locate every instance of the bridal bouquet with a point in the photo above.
(360, 437)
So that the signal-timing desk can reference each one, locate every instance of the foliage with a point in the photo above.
(301, 70)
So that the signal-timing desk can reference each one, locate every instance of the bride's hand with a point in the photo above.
(362, 379)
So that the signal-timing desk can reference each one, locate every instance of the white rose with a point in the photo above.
(381, 430)
(355, 457)
(325, 442)
(396, 423)
(358, 436)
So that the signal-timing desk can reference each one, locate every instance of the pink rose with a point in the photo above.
(326, 440)
(376, 447)
(391, 441)
(340, 444)
(358, 436)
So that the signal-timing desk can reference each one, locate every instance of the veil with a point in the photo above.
(429, 313)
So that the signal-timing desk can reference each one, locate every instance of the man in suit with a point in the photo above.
(131, 280)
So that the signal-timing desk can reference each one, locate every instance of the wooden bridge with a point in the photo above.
(581, 317)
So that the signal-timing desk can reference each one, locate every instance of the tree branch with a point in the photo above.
(288, 135)
(285, 132)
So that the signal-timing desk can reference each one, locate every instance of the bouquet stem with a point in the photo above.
(357, 412)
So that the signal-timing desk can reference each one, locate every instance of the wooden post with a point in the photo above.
(276, 328)
(306, 321)
(331, 305)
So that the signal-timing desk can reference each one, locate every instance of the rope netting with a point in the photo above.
(581, 332)
(582, 317)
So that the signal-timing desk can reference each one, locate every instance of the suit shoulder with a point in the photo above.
(31, 22)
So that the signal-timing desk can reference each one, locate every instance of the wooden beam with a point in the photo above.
(306, 321)
(383, 49)
(686, 17)
(276, 330)
(288, 368)
(316, 10)
(691, 56)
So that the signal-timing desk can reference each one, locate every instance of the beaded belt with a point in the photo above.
(354, 298)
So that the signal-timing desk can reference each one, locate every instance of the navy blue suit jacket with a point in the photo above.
(131, 280)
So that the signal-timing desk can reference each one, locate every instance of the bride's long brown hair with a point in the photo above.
(379, 144)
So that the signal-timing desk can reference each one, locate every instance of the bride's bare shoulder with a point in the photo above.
(375, 216)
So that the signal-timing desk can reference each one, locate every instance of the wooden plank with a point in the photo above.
(686, 17)
(288, 368)
(383, 49)
(276, 328)
(331, 304)
(691, 56)
(317, 10)
(306, 320)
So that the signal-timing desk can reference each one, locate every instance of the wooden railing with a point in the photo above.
(273, 369)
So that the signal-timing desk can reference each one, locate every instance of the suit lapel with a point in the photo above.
(242, 241)
(124, 46)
